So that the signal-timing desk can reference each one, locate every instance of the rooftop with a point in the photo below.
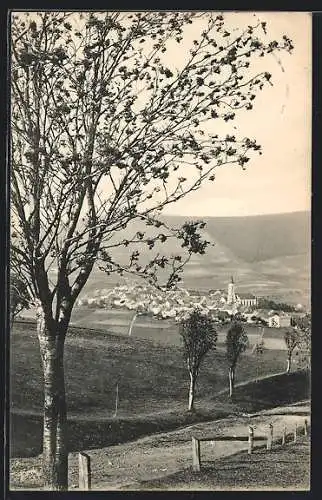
(246, 296)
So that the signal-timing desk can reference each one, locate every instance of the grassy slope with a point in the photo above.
(153, 384)
(150, 375)
(286, 467)
(277, 389)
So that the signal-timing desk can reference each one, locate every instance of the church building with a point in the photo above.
(244, 299)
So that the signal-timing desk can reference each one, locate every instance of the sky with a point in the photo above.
(280, 180)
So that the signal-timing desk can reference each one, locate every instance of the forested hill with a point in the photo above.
(262, 237)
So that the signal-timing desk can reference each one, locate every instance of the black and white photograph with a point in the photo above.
(160, 250)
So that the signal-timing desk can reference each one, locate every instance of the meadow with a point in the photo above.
(116, 321)
(152, 379)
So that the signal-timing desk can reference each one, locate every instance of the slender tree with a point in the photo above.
(199, 336)
(236, 344)
(303, 326)
(105, 133)
(292, 340)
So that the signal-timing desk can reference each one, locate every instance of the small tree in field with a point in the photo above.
(106, 133)
(236, 344)
(199, 337)
(292, 340)
(303, 326)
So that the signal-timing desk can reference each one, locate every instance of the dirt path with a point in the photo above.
(155, 456)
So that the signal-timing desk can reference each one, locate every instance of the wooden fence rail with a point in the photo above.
(250, 439)
(84, 461)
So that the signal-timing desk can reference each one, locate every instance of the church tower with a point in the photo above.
(231, 298)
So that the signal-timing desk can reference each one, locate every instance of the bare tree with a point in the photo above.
(199, 336)
(236, 344)
(104, 133)
(292, 340)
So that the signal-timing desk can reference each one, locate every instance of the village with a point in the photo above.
(144, 299)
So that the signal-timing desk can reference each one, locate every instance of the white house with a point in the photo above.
(249, 317)
(279, 321)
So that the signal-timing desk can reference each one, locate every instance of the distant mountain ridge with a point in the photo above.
(261, 237)
(266, 254)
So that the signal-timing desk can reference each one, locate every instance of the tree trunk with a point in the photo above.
(11, 320)
(55, 455)
(61, 438)
(288, 366)
(192, 391)
(231, 375)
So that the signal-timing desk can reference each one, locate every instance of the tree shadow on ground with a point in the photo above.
(86, 434)
(26, 430)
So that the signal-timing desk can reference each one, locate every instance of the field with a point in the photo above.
(152, 380)
(117, 322)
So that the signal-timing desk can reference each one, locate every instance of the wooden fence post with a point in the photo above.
(250, 439)
(284, 435)
(295, 433)
(270, 437)
(116, 400)
(84, 471)
(195, 454)
(305, 427)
